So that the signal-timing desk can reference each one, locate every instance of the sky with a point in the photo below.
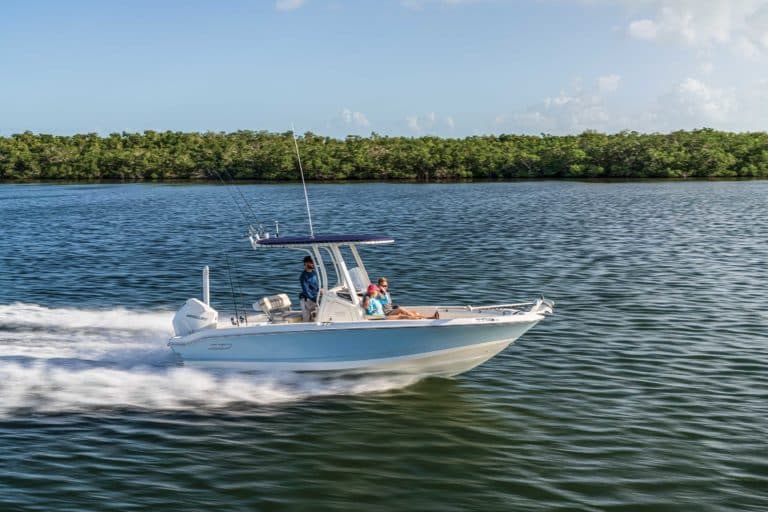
(451, 68)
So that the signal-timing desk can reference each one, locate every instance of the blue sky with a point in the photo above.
(412, 67)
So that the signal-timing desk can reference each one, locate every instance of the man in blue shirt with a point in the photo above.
(309, 289)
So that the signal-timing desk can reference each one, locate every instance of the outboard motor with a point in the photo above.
(194, 316)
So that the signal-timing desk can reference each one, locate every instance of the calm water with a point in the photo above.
(648, 390)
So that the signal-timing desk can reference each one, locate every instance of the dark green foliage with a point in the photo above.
(249, 155)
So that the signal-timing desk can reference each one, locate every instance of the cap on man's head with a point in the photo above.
(372, 288)
(308, 259)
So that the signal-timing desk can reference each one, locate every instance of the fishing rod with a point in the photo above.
(242, 297)
(232, 196)
(248, 204)
(255, 219)
(236, 318)
(237, 203)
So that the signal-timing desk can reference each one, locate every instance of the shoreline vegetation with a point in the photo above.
(265, 156)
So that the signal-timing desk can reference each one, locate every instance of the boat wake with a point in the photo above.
(61, 360)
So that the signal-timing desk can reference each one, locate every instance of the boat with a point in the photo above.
(341, 338)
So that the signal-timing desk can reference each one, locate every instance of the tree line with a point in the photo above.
(260, 155)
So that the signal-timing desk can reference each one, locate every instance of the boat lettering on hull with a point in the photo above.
(219, 346)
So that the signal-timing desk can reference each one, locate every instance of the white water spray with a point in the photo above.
(54, 360)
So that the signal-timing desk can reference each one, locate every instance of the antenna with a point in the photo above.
(303, 183)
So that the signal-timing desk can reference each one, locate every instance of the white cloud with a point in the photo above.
(413, 123)
(757, 26)
(568, 112)
(689, 104)
(429, 122)
(608, 83)
(288, 5)
(742, 24)
(702, 102)
(746, 48)
(694, 104)
(643, 29)
(354, 118)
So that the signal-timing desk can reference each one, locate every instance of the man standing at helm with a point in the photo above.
(309, 289)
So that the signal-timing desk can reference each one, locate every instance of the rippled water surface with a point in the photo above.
(648, 389)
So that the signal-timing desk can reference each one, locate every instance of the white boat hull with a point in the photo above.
(417, 347)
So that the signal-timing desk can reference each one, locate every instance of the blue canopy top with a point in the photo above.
(297, 241)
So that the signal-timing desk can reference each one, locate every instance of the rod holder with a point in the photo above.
(206, 286)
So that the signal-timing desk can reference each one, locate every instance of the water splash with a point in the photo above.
(75, 359)
(33, 315)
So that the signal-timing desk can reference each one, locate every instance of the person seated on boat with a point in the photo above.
(374, 309)
(390, 308)
(371, 304)
(310, 287)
